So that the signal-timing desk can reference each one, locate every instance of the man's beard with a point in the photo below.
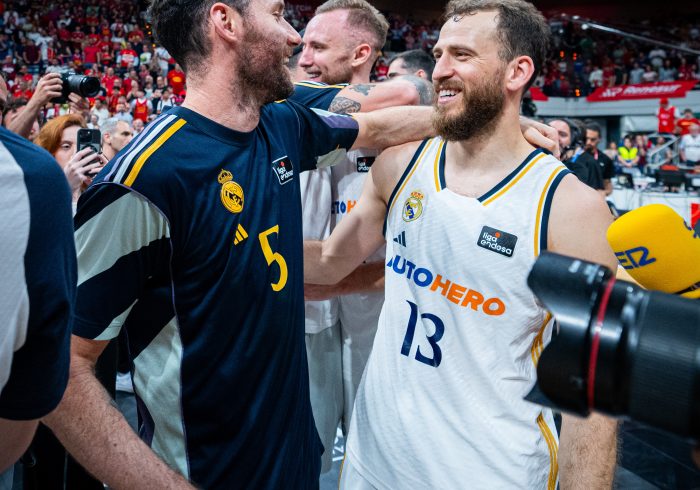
(482, 104)
(263, 74)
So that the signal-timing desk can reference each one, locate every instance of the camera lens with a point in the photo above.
(83, 85)
(620, 349)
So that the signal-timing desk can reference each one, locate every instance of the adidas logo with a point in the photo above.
(241, 235)
(401, 239)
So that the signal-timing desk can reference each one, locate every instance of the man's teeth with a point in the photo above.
(448, 93)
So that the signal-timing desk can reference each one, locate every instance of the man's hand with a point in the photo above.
(319, 292)
(49, 87)
(79, 105)
(540, 135)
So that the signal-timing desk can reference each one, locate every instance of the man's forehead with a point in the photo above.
(474, 30)
(326, 25)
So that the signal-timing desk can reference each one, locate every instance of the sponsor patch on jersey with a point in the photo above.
(413, 207)
(282, 167)
(497, 241)
(231, 192)
(364, 164)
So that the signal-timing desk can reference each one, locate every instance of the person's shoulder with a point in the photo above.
(35, 162)
(393, 163)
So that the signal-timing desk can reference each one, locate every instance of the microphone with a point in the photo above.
(658, 249)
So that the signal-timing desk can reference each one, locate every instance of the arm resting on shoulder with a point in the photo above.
(97, 435)
(393, 126)
(367, 277)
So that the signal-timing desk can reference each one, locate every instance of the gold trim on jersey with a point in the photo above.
(134, 172)
(429, 144)
(538, 343)
(553, 448)
(438, 187)
(515, 179)
(540, 208)
(321, 85)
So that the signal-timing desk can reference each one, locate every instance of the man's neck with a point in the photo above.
(213, 96)
(501, 149)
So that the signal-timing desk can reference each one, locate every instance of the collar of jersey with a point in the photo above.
(212, 128)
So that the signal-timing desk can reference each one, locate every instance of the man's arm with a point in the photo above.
(409, 90)
(49, 86)
(359, 234)
(367, 277)
(96, 433)
(16, 436)
(578, 222)
(393, 126)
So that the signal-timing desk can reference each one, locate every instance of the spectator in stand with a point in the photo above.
(595, 79)
(146, 56)
(381, 69)
(165, 101)
(690, 146)
(657, 58)
(649, 75)
(176, 80)
(100, 110)
(92, 53)
(415, 62)
(138, 126)
(49, 86)
(122, 112)
(685, 71)
(684, 123)
(641, 142)
(611, 151)
(116, 134)
(628, 154)
(667, 115)
(60, 138)
(128, 58)
(656, 155)
(667, 73)
(636, 74)
(141, 107)
(163, 60)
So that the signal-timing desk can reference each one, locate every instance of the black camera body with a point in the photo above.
(82, 85)
(619, 349)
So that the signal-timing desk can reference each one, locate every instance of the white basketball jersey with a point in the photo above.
(315, 186)
(361, 310)
(441, 403)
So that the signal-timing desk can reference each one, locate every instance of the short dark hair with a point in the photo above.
(416, 59)
(595, 127)
(361, 15)
(521, 28)
(181, 27)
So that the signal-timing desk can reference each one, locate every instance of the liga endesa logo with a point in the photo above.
(453, 292)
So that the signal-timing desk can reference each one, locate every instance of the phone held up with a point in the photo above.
(90, 138)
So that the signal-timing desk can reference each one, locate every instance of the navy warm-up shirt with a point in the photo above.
(191, 241)
(39, 369)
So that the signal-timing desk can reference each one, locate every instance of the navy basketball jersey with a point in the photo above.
(191, 241)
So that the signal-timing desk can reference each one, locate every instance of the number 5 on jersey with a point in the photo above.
(432, 339)
(271, 257)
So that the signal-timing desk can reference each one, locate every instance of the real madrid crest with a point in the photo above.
(231, 192)
(413, 207)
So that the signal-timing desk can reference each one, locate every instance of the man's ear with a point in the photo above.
(361, 54)
(227, 22)
(519, 72)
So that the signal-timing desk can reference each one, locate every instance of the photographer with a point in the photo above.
(49, 87)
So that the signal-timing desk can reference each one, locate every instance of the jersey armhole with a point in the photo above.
(544, 216)
(404, 178)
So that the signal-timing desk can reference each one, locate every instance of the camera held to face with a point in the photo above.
(82, 85)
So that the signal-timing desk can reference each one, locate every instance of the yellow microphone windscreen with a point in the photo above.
(658, 249)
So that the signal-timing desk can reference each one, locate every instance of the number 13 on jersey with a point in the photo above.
(433, 339)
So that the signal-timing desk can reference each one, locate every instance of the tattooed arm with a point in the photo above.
(366, 97)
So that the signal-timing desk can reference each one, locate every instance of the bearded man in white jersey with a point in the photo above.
(465, 215)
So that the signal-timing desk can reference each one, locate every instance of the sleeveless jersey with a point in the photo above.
(667, 122)
(441, 402)
(356, 311)
(141, 110)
